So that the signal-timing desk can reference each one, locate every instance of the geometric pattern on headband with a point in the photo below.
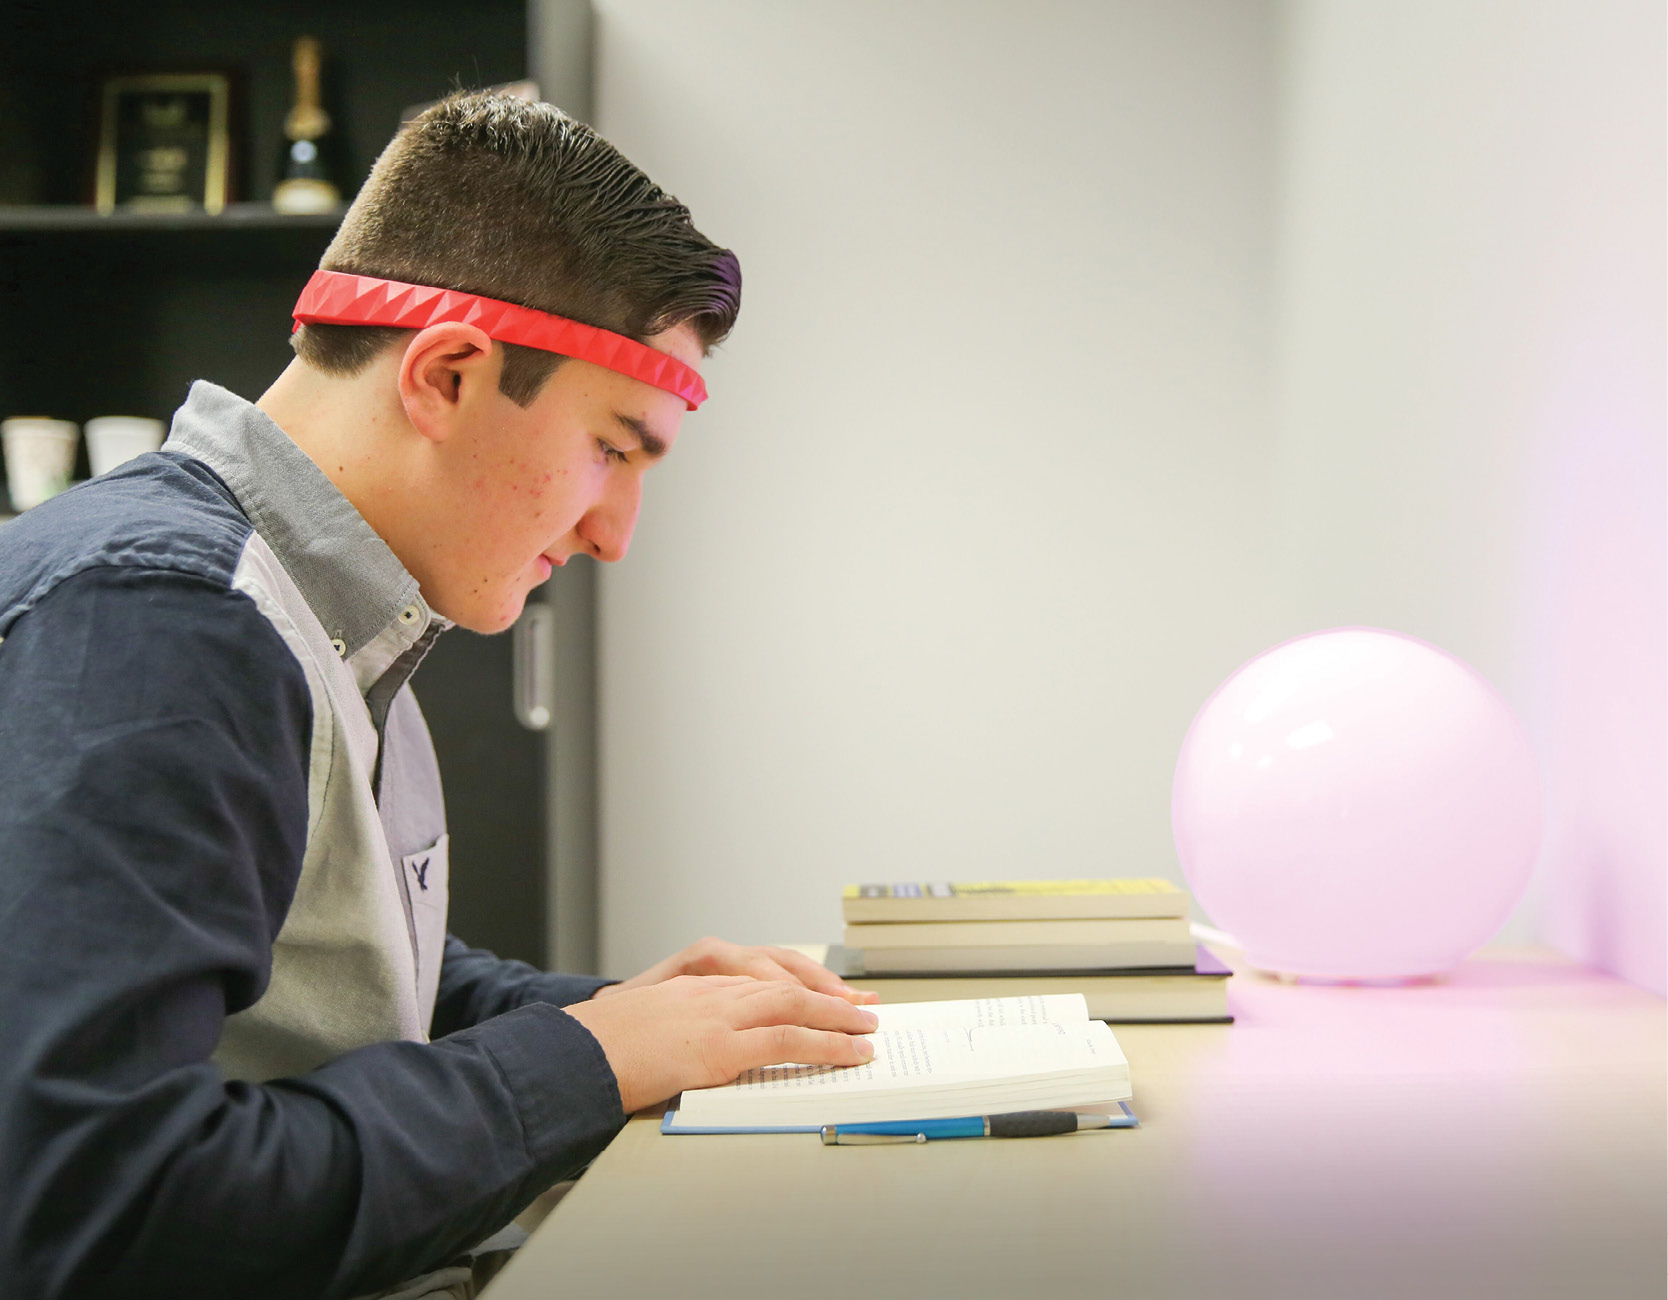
(337, 298)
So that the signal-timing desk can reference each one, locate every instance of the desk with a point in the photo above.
(1498, 1133)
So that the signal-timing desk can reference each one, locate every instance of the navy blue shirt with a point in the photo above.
(155, 732)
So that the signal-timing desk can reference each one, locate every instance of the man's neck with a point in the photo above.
(349, 428)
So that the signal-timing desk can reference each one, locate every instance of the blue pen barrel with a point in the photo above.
(963, 1127)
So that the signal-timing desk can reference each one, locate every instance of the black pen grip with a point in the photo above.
(1033, 1123)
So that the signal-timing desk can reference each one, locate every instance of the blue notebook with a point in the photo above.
(669, 1124)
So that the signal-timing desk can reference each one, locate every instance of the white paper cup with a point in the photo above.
(40, 457)
(114, 440)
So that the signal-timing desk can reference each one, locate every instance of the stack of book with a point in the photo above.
(1124, 944)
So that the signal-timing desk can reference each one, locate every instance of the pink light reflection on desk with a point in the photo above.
(1340, 1124)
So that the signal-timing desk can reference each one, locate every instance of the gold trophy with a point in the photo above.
(306, 185)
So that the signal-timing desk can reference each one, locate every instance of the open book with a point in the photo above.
(933, 1060)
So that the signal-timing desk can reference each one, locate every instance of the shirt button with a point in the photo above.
(410, 614)
(339, 646)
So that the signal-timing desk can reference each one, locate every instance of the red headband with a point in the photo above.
(334, 298)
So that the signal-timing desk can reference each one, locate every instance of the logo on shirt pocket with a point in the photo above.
(426, 874)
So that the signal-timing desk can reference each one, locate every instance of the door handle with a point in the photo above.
(534, 652)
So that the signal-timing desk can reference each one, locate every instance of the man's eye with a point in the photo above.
(611, 452)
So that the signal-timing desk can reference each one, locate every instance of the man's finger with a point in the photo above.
(721, 981)
(758, 964)
(814, 975)
(780, 1003)
(781, 1044)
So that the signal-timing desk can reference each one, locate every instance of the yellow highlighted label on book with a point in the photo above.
(1033, 888)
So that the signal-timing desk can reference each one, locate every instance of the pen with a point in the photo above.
(1024, 1123)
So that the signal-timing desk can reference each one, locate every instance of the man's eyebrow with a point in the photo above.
(654, 446)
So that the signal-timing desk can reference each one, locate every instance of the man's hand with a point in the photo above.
(715, 957)
(697, 1031)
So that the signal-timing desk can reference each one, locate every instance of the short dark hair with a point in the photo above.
(489, 194)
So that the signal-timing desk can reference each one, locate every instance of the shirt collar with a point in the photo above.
(369, 604)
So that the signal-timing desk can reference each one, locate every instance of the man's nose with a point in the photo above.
(608, 525)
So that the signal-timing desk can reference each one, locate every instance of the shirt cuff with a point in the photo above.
(565, 1092)
(564, 990)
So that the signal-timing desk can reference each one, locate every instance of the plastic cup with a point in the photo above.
(114, 440)
(40, 457)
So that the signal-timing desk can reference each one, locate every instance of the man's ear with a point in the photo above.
(443, 369)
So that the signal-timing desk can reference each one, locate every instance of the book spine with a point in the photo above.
(1021, 907)
(1012, 933)
(1038, 958)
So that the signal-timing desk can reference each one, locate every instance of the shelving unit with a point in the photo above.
(117, 314)
(77, 218)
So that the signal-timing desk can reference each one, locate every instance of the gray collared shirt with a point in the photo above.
(367, 602)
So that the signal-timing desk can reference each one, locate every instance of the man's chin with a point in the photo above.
(485, 619)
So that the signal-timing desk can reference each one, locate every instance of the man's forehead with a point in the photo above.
(653, 434)
(681, 342)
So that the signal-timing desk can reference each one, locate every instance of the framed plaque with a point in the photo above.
(164, 142)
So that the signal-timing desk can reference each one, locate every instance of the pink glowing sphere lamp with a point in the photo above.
(1357, 805)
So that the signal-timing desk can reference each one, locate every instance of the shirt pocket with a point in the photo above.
(427, 872)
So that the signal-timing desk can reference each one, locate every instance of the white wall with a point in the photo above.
(1471, 396)
(977, 513)
(1089, 349)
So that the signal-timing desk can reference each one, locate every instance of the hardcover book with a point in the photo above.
(1022, 945)
(1193, 993)
(1014, 900)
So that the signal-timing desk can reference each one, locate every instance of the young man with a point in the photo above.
(242, 1055)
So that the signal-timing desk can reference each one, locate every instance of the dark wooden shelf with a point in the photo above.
(72, 218)
(118, 314)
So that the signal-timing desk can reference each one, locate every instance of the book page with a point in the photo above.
(979, 1013)
(920, 1073)
(912, 1057)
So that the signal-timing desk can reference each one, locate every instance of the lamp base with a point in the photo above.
(1342, 981)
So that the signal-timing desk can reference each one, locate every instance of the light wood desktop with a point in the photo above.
(1500, 1132)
